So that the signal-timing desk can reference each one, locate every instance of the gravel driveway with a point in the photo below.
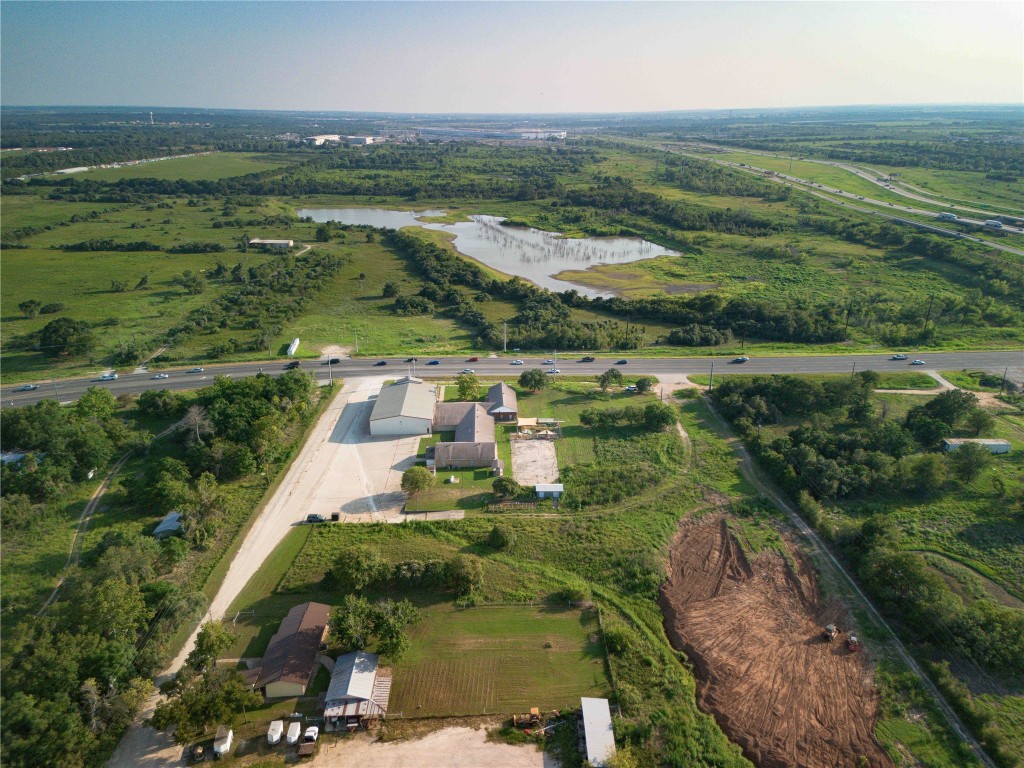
(534, 461)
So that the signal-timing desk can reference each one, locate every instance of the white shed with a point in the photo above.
(992, 446)
(598, 735)
(404, 408)
(549, 490)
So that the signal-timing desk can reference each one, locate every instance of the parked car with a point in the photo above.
(162, 376)
(553, 370)
(918, 362)
(622, 362)
(587, 359)
(294, 731)
(740, 359)
(517, 362)
(332, 361)
(312, 517)
(468, 370)
(630, 388)
(311, 734)
(197, 370)
(473, 360)
(434, 362)
(274, 731)
(108, 377)
(381, 362)
(898, 357)
(28, 388)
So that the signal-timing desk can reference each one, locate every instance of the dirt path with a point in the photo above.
(448, 748)
(831, 566)
(753, 630)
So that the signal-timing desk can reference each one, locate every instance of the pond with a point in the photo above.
(532, 254)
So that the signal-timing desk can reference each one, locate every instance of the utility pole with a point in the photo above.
(928, 314)
(854, 369)
(504, 337)
(330, 373)
(1003, 382)
(711, 383)
(56, 394)
(357, 345)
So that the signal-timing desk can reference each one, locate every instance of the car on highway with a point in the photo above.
(197, 370)
(381, 362)
(742, 359)
(473, 360)
(434, 362)
(108, 377)
(587, 359)
(918, 362)
(548, 362)
(410, 359)
(332, 361)
(28, 388)
(622, 362)
(468, 370)
(162, 376)
(898, 357)
(516, 362)
(292, 365)
(553, 370)
(315, 518)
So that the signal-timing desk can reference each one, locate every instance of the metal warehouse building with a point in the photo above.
(404, 408)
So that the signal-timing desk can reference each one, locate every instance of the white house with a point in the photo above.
(404, 408)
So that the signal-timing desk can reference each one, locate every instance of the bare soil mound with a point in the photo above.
(753, 630)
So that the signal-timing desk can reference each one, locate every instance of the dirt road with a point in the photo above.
(753, 630)
(448, 748)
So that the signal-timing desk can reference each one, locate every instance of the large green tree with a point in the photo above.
(534, 380)
(469, 386)
(416, 480)
(65, 336)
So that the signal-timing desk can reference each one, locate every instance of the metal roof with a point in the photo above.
(410, 398)
(976, 440)
(170, 524)
(597, 729)
(353, 676)
(550, 488)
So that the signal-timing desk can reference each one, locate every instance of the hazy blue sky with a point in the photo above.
(509, 57)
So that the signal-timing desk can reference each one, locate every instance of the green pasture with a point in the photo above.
(215, 165)
(965, 187)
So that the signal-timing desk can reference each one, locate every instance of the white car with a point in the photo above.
(517, 362)
(548, 362)
(553, 370)
(108, 377)
(162, 376)
(468, 370)
(311, 734)
(274, 732)
(294, 731)
(28, 388)
(898, 357)
(918, 362)
(630, 388)
(197, 370)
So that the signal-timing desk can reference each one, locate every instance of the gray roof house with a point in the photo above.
(502, 403)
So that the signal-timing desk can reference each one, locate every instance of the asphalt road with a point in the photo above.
(134, 384)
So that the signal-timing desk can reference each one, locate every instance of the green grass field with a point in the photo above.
(215, 165)
(499, 659)
(885, 380)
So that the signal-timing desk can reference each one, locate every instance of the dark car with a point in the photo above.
(292, 365)
(314, 518)
(588, 359)
(473, 360)
(434, 362)
(622, 362)
(410, 359)
(332, 361)
(381, 362)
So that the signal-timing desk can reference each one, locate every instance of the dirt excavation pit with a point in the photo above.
(753, 630)
(534, 461)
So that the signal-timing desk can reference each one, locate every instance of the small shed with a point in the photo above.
(170, 525)
(280, 245)
(549, 490)
(598, 737)
(359, 691)
(992, 446)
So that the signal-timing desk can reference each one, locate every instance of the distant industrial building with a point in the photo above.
(323, 138)
(992, 446)
(404, 408)
(291, 657)
(360, 141)
(597, 738)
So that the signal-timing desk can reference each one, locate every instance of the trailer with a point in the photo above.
(994, 223)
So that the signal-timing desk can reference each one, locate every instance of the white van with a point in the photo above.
(274, 732)
(294, 731)
(222, 742)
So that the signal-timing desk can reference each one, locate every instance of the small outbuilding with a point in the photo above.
(597, 738)
(992, 446)
(359, 691)
(170, 525)
(549, 490)
(404, 408)
(222, 741)
(277, 245)
(291, 657)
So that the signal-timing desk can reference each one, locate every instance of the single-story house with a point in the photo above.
(359, 691)
(404, 408)
(169, 526)
(474, 444)
(597, 736)
(465, 455)
(549, 490)
(502, 403)
(992, 446)
(448, 416)
(280, 245)
(291, 657)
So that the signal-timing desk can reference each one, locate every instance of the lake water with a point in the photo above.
(532, 254)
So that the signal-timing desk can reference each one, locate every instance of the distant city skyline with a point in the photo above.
(584, 57)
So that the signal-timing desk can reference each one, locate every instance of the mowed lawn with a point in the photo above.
(493, 659)
(216, 165)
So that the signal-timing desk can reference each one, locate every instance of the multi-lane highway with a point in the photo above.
(70, 390)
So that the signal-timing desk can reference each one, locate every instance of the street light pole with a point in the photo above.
(330, 373)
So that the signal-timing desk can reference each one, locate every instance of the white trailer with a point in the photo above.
(994, 223)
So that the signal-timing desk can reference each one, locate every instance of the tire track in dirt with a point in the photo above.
(752, 629)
